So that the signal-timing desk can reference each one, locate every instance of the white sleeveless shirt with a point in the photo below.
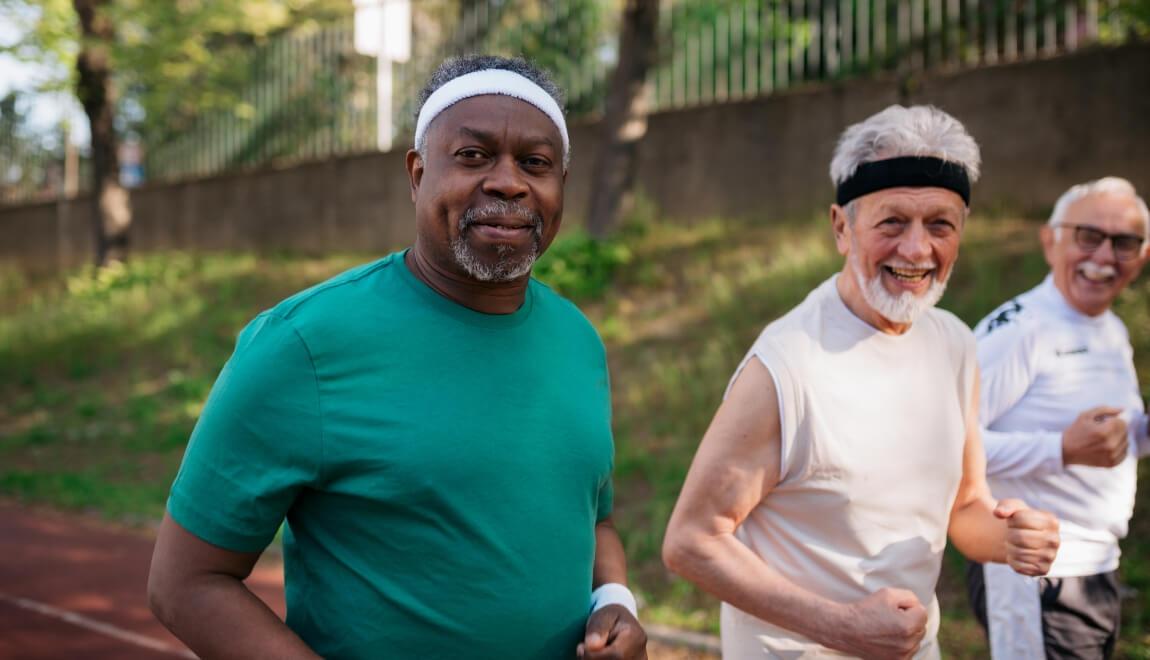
(872, 435)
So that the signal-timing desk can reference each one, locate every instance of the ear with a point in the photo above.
(1046, 235)
(414, 163)
(839, 222)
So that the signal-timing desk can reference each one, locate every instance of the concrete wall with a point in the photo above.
(1043, 126)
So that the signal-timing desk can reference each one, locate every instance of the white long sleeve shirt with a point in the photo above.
(1043, 363)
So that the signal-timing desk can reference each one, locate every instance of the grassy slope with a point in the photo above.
(101, 380)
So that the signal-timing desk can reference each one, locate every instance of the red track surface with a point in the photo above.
(70, 588)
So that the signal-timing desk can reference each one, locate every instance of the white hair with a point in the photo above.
(1111, 185)
(920, 130)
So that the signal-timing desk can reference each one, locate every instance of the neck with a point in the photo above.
(484, 297)
(853, 298)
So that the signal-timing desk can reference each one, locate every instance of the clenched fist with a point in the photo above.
(889, 623)
(1031, 537)
(1097, 437)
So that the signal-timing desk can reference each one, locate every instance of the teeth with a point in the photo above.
(908, 274)
(1096, 273)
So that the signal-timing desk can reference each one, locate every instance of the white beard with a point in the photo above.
(904, 308)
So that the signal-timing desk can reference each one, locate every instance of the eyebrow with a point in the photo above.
(943, 212)
(488, 136)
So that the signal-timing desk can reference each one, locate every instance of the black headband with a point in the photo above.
(911, 171)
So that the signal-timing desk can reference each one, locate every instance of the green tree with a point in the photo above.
(150, 68)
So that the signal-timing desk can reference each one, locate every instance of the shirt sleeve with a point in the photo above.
(1007, 360)
(605, 502)
(1142, 436)
(256, 444)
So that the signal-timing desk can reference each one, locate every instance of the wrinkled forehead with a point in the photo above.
(914, 201)
(1111, 211)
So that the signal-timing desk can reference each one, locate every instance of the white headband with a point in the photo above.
(491, 81)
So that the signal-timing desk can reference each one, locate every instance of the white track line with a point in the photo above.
(96, 626)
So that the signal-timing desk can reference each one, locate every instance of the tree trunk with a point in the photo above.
(111, 206)
(625, 120)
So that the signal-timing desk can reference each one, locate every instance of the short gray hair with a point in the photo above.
(455, 67)
(920, 130)
(1111, 184)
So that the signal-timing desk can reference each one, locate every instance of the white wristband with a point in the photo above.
(614, 593)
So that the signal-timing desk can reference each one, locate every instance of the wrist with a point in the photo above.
(833, 630)
(614, 593)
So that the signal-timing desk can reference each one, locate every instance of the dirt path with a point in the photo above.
(71, 587)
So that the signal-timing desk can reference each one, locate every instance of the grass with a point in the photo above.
(102, 378)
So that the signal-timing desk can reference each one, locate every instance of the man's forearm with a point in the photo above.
(977, 533)
(610, 559)
(728, 570)
(219, 617)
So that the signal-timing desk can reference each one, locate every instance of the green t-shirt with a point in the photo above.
(441, 470)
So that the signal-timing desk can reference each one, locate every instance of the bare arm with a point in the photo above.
(196, 589)
(610, 560)
(736, 466)
(612, 632)
(985, 530)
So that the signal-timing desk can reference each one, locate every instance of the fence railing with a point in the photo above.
(315, 96)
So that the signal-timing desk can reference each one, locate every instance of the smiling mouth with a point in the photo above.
(1096, 274)
(909, 275)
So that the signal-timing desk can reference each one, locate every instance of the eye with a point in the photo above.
(941, 227)
(891, 226)
(471, 155)
(536, 162)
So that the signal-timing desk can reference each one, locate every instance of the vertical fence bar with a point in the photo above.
(954, 32)
(935, 46)
(751, 40)
(1010, 35)
(990, 27)
(1070, 32)
(814, 52)
(721, 59)
(970, 42)
(1030, 28)
(1049, 27)
(881, 47)
(917, 34)
(796, 41)
(830, 42)
(861, 59)
(847, 53)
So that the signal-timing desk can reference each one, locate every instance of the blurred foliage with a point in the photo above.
(172, 60)
(1132, 16)
(581, 267)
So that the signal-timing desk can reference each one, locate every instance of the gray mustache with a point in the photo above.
(498, 209)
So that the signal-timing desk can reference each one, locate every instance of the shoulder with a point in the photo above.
(563, 316)
(1017, 316)
(347, 287)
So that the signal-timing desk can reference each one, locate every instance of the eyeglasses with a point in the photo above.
(1126, 246)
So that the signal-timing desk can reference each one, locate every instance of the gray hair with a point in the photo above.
(920, 130)
(455, 67)
(1111, 184)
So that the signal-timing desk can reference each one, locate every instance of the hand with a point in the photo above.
(1031, 537)
(889, 623)
(613, 633)
(1097, 437)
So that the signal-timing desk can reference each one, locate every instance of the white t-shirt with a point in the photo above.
(1043, 363)
(873, 429)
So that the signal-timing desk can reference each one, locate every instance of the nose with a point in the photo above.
(505, 180)
(1105, 253)
(915, 244)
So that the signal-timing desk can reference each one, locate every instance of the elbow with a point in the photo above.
(682, 551)
(160, 600)
(672, 553)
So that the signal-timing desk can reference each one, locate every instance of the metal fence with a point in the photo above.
(314, 96)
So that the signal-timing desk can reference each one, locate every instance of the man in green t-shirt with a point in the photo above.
(434, 428)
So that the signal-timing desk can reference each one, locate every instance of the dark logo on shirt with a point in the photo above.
(1070, 351)
(1005, 315)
